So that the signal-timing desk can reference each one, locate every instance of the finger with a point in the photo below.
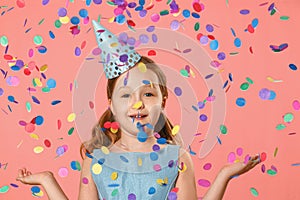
(20, 172)
(28, 173)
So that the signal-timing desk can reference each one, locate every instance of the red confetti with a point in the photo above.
(211, 37)
(47, 143)
(83, 44)
(250, 28)
(58, 124)
(263, 156)
(199, 35)
(21, 3)
(130, 23)
(27, 72)
(250, 49)
(8, 57)
(91, 104)
(151, 53)
(150, 7)
(197, 6)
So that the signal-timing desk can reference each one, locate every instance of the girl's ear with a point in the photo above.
(163, 104)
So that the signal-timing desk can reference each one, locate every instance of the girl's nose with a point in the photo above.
(136, 102)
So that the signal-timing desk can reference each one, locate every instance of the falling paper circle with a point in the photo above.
(288, 117)
(295, 104)
(231, 157)
(29, 128)
(38, 149)
(83, 13)
(175, 24)
(178, 91)
(240, 102)
(209, 28)
(142, 136)
(13, 81)
(272, 95)
(264, 94)
(237, 42)
(203, 183)
(203, 117)
(75, 20)
(51, 83)
(63, 172)
(214, 45)
(1, 92)
(155, 17)
(96, 168)
(4, 41)
(62, 12)
(38, 40)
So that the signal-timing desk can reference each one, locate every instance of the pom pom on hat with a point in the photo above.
(117, 57)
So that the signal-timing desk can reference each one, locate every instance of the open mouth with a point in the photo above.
(137, 117)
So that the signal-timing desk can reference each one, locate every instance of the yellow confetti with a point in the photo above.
(113, 130)
(273, 80)
(137, 105)
(39, 194)
(142, 67)
(175, 129)
(182, 168)
(34, 136)
(96, 168)
(38, 82)
(140, 162)
(114, 176)
(105, 150)
(114, 44)
(64, 20)
(192, 73)
(111, 20)
(162, 181)
(177, 14)
(71, 117)
(38, 149)
(43, 68)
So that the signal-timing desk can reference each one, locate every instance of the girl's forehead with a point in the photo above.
(135, 78)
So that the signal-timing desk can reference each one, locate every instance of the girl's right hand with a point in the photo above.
(27, 177)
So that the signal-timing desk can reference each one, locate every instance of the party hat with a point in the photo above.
(117, 57)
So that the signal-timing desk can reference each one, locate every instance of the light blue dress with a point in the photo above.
(136, 175)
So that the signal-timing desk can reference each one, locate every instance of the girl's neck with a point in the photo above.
(130, 143)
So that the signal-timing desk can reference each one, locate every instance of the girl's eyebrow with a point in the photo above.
(153, 85)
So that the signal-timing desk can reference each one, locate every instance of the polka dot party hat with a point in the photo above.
(117, 56)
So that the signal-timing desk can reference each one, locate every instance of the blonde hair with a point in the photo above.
(104, 137)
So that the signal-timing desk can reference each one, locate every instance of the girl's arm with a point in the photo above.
(186, 179)
(217, 189)
(89, 190)
(46, 179)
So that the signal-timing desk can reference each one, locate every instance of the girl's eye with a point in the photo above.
(148, 94)
(125, 96)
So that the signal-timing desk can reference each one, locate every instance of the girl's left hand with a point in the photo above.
(240, 168)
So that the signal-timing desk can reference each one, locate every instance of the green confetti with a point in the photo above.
(4, 189)
(254, 192)
(45, 89)
(233, 53)
(4, 41)
(57, 24)
(38, 40)
(244, 86)
(110, 3)
(288, 117)
(196, 26)
(223, 129)
(42, 21)
(280, 127)
(114, 192)
(284, 17)
(184, 73)
(28, 106)
(164, 12)
(70, 132)
(249, 80)
(271, 172)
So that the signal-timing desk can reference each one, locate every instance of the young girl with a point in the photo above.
(133, 153)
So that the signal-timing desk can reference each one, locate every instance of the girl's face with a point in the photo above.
(137, 101)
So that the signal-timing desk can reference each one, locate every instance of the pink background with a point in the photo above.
(252, 127)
